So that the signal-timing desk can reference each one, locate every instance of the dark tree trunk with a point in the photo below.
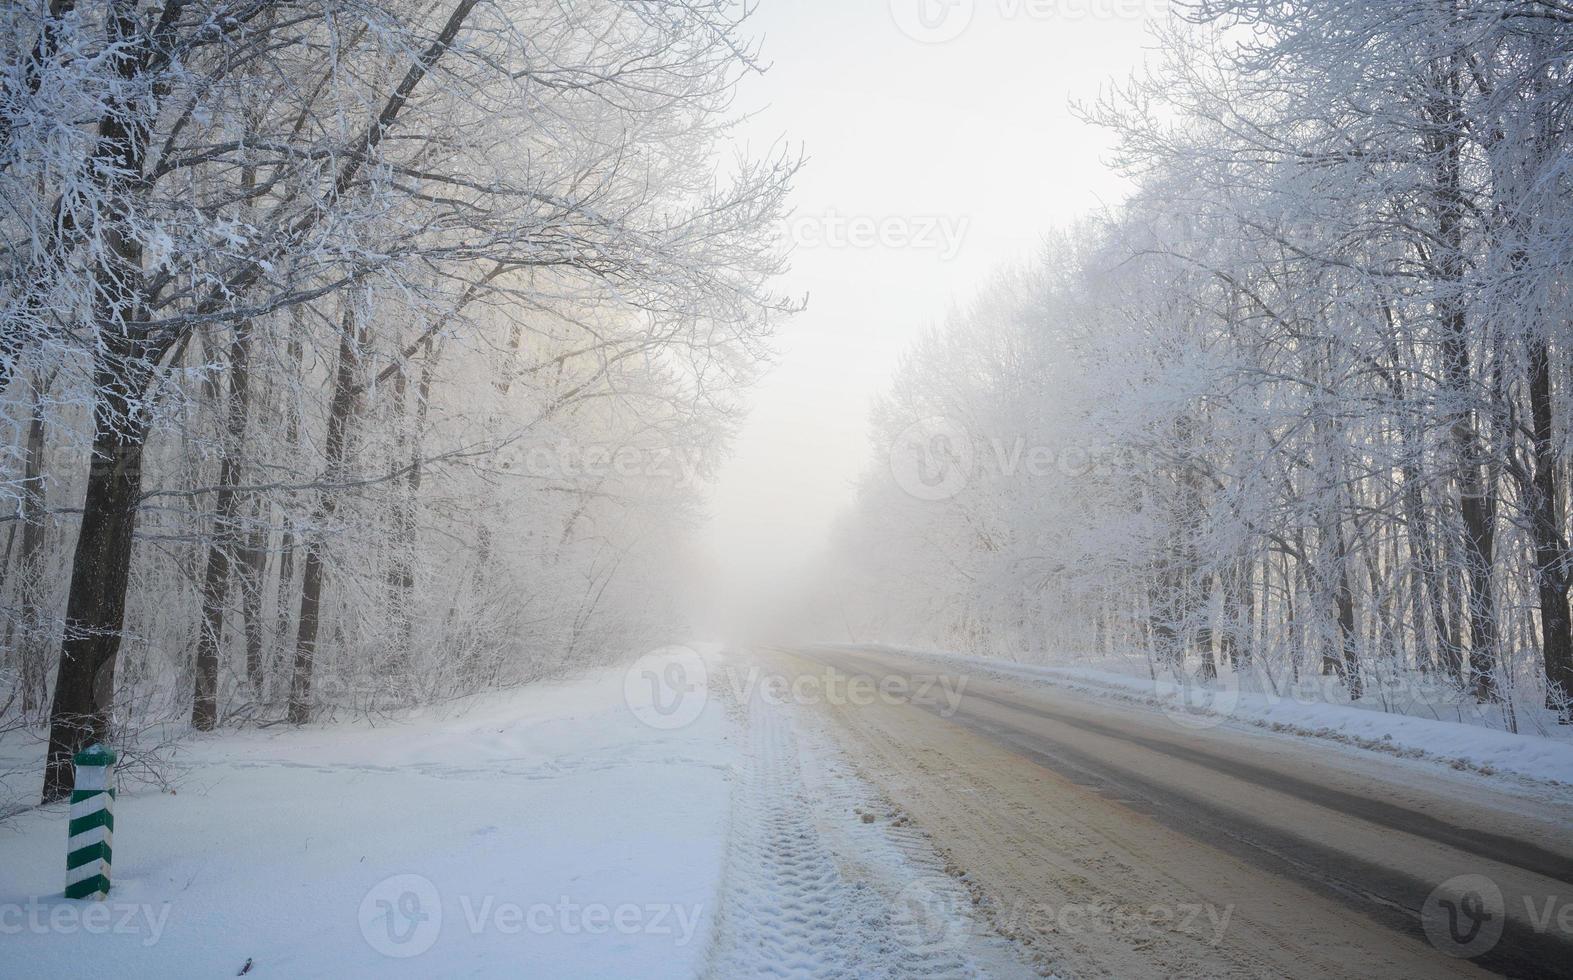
(215, 591)
(1551, 547)
(306, 635)
(1292, 622)
(251, 544)
(1474, 499)
(1476, 509)
(288, 539)
(1349, 643)
(250, 570)
(340, 405)
(288, 547)
(226, 540)
(96, 604)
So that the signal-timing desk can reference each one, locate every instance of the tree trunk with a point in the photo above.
(1161, 617)
(288, 539)
(1427, 591)
(215, 582)
(96, 603)
(29, 562)
(1239, 613)
(1349, 666)
(250, 572)
(1551, 547)
(1204, 628)
(1474, 503)
(226, 540)
(339, 408)
(401, 570)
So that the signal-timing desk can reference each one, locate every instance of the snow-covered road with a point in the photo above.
(1117, 840)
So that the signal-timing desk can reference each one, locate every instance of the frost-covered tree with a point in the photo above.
(1301, 403)
(263, 259)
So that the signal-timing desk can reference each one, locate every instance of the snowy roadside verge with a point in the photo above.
(547, 831)
(1193, 706)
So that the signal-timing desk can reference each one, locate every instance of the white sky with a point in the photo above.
(974, 132)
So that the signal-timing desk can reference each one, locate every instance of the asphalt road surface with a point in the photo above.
(1115, 841)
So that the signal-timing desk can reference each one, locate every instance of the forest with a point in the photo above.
(1298, 409)
(358, 355)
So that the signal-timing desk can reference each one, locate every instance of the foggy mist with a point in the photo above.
(929, 168)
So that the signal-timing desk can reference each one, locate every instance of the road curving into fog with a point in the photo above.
(1115, 842)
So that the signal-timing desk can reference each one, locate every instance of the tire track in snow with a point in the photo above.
(824, 880)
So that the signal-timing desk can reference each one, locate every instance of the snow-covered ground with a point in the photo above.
(545, 832)
(1449, 737)
(659, 821)
(668, 819)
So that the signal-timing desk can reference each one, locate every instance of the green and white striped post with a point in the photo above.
(92, 824)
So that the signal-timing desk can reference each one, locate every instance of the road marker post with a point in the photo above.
(92, 828)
